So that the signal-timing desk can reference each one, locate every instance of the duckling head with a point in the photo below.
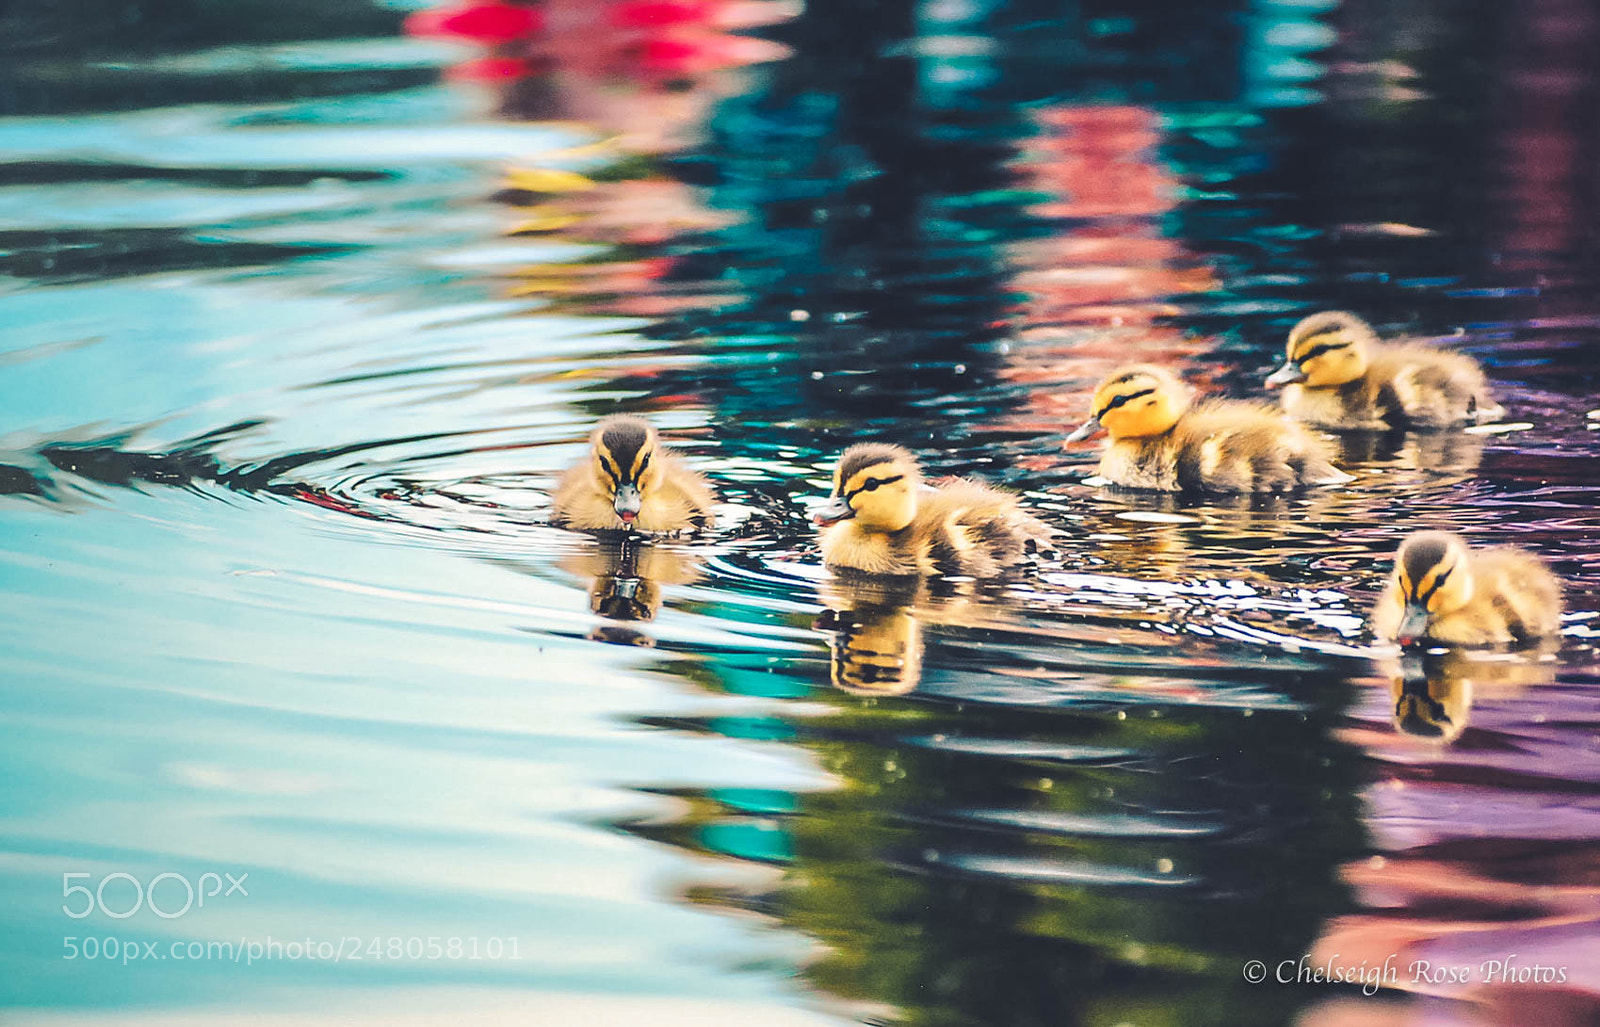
(874, 485)
(621, 449)
(1325, 350)
(1138, 401)
(1434, 579)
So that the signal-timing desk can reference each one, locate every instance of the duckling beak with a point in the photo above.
(837, 509)
(627, 503)
(1084, 430)
(1413, 624)
(1288, 374)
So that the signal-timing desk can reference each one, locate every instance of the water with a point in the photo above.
(300, 329)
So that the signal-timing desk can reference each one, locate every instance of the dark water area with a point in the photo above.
(305, 308)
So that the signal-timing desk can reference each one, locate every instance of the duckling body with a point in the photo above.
(1158, 441)
(1442, 591)
(631, 482)
(1339, 375)
(883, 521)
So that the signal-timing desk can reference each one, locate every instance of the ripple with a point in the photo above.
(1031, 870)
(1103, 826)
(1018, 749)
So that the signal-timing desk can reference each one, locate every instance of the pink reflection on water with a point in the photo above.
(1096, 292)
(1486, 895)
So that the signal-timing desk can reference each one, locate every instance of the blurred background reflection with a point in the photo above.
(306, 306)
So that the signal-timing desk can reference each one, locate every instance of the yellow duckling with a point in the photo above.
(881, 520)
(1338, 375)
(1159, 442)
(1440, 591)
(630, 481)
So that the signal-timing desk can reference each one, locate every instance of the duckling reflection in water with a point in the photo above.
(1158, 441)
(882, 520)
(1338, 375)
(625, 584)
(1433, 692)
(631, 482)
(1441, 591)
(875, 626)
(1436, 452)
(875, 647)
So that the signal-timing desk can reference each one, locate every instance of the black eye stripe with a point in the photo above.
(1317, 351)
(1120, 400)
(871, 485)
(1436, 711)
(618, 480)
(1437, 582)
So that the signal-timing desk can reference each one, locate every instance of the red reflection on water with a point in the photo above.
(639, 73)
(1096, 292)
(1486, 898)
(649, 42)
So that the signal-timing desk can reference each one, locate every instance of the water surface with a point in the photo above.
(300, 329)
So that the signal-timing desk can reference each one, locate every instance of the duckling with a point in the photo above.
(1159, 442)
(1440, 591)
(1338, 375)
(882, 520)
(630, 481)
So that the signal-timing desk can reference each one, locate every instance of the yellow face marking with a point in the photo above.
(1328, 356)
(858, 481)
(1301, 349)
(1115, 396)
(640, 460)
(1139, 403)
(1428, 578)
(1430, 586)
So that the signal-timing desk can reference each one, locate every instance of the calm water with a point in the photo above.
(304, 313)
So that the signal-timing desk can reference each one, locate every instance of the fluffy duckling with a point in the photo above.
(1440, 591)
(1338, 375)
(881, 520)
(1159, 442)
(631, 482)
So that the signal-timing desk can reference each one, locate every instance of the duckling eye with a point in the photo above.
(1319, 350)
(1123, 401)
(1427, 598)
(871, 485)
